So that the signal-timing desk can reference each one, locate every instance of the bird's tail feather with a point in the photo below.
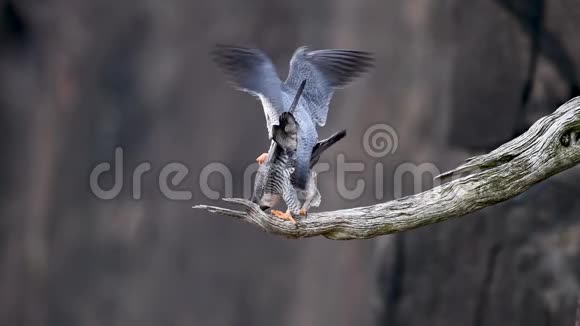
(323, 145)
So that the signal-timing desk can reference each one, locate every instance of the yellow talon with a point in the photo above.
(284, 216)
(262, 158)
(302, 212)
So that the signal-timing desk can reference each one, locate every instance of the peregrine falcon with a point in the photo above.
(251, 70)
(273, 179)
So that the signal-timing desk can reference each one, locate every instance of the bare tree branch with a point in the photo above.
(550, 146)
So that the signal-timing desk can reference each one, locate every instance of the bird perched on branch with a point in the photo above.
(273, 179)
(252, 71)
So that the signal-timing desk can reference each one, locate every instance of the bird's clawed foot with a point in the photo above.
(262, 158)
(303, 212)
(285, 216)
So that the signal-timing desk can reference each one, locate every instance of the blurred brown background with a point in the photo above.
(455, 78)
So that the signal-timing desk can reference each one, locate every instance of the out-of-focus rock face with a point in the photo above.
(488, 37)
(515, 263)
(79, 78)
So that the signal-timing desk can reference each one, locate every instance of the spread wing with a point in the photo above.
(252, 71)
(325, 70)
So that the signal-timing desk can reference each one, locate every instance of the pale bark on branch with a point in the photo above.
(550, 146)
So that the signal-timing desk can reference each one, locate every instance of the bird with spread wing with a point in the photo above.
(273, 179)
(252, 71)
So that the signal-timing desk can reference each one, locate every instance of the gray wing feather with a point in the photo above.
(308, 155)
(325, 70)
(251, 70)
